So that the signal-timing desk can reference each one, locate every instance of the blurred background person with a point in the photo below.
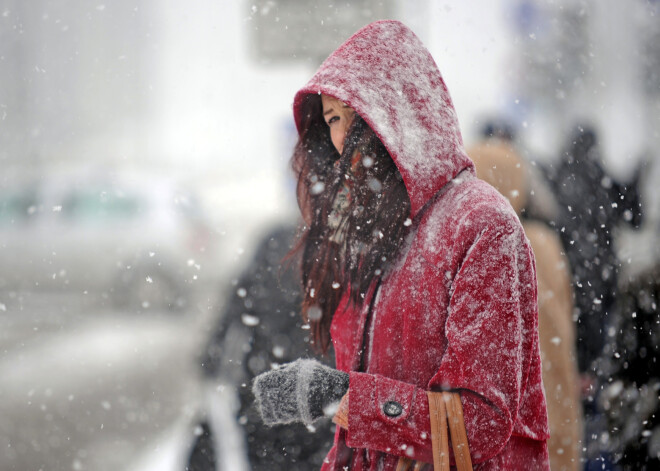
(630, 399)
(592, 205)
(540, 202)
(498, 162)
(259, 328)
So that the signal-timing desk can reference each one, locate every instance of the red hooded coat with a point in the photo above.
(458, 309)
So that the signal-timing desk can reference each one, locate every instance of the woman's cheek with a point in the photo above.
(338, 136)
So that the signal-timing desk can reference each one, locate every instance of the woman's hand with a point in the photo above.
(302, 391)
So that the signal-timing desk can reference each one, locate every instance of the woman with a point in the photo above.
(418, 273)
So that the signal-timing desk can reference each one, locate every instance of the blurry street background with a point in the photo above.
(144, 148)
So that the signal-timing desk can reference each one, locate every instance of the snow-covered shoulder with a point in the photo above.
(465, 210)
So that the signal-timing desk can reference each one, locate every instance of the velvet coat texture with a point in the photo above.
(457, 310)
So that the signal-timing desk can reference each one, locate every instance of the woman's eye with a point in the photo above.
(333, 119)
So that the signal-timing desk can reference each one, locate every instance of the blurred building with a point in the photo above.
(200, 94)
(72, 74)
(312, 30)
(587, 59)
(597, 62)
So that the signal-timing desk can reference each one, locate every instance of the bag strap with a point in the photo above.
(405, 464)
(439, 435)
(459, 438)
(446, 414)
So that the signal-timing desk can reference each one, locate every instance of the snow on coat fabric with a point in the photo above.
(458, 308)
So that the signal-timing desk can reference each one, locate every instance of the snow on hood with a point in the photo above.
(389, 78)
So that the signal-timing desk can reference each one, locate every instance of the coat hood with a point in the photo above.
(389, 78)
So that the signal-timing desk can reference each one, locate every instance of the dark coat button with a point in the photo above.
(392, 409)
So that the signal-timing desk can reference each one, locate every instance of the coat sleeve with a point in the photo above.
(491, 333)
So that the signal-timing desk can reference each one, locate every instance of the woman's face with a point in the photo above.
(338, 117)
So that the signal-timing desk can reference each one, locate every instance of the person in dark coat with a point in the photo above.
(260, 327)
(631, 400)
(592, 205)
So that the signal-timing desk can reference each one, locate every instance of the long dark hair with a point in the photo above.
(347, 258)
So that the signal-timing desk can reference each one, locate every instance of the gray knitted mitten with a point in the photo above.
(298, 392)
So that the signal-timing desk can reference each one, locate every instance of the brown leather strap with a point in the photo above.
(446, 414)
(404, 464)
(439, 436)
(459, 438)
(419, 465)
